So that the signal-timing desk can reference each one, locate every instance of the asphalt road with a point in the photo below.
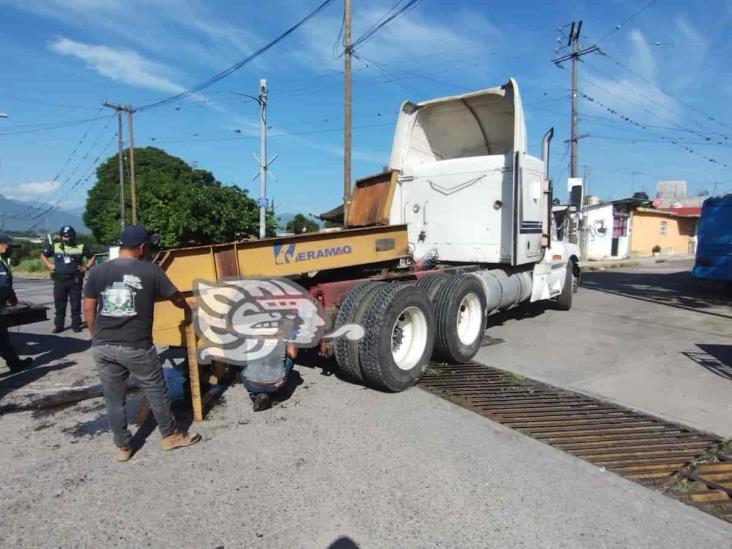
(340, 463)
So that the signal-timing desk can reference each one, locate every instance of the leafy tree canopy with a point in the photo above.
(301, 224)
(182, 204)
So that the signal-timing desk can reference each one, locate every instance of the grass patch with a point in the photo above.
(30, 265)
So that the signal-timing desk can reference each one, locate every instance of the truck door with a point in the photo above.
(528, 178)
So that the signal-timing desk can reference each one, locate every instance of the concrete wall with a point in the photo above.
(599, 243)
(646, 233)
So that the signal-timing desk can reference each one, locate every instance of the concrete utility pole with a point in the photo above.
(262, 157)
(262, 161)
(347, 113)
(133, 184)
(575, 55)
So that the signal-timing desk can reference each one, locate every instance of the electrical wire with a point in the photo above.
(36, 128)
(685, 103)
(667, 140)
(388, 18)
(628, 20)
(236, 66)
(47, 197)
(76, 184)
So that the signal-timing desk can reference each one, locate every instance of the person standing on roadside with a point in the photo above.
(8, 299)
(70, 263)
(119, 303)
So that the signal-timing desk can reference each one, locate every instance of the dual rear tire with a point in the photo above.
(405, 323)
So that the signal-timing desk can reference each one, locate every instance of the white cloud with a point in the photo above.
(124, 66)
(39, 188)
(641, 55)
(30, 190)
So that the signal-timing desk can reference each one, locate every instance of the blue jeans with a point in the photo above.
(115, 363)
(255, 388)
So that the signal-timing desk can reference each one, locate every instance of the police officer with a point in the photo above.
(70, 262)
(8, 300)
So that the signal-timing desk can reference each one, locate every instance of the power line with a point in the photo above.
(49, 196)
(76, 184)
(394, 12)
(686, 103)
(36, 128)
(659, 104)
(628, 20)
(668, 140)
(236, 66)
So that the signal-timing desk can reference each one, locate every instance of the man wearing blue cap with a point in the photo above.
(8, 299)
(119, 302)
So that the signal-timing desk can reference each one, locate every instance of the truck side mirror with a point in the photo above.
(574, 186)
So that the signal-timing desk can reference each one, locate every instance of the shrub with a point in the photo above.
(30, 265)
(656, 249)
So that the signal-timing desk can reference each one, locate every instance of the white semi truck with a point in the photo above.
(459, 226)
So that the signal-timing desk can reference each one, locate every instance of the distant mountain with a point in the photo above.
(17, 215)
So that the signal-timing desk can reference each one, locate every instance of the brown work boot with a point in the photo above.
(179, 440)
(124, 454)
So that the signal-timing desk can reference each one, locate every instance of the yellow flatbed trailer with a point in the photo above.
(289, 256)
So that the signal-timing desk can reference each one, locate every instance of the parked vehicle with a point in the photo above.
(458, 227)
(714, 240)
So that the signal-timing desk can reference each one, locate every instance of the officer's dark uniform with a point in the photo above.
(7, 297)
(67, 280)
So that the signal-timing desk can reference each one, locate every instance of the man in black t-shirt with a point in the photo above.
(119, 303)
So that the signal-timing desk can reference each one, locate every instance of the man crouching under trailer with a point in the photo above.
(265, 378)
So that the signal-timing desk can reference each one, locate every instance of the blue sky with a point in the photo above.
(62, 58)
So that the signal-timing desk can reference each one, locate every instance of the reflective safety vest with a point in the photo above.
(67, 258)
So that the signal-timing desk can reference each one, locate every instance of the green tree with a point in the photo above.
(301, 224)
(182, 204)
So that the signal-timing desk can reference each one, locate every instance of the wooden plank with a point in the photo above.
(193, 373)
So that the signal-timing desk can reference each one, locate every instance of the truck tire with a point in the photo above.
(350, 311)
(460, 316)
(431, 283)
(400, 331)
(564, 300)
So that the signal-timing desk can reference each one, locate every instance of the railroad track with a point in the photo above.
(691, 466)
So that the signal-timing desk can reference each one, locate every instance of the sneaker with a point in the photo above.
(57, 330)
(179, 440)
(261, 402)
(21, 365)
(124, 454)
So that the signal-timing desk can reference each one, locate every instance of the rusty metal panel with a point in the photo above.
(226, 261)
(372, 200)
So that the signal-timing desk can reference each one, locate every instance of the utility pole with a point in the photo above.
(347, 113)
(121, 163)
(262, 161)
(262, 157)
(574, 55)
(133, 186)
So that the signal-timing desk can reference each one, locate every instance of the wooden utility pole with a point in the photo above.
(347, 113)
(121, 163)
(133, 185)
